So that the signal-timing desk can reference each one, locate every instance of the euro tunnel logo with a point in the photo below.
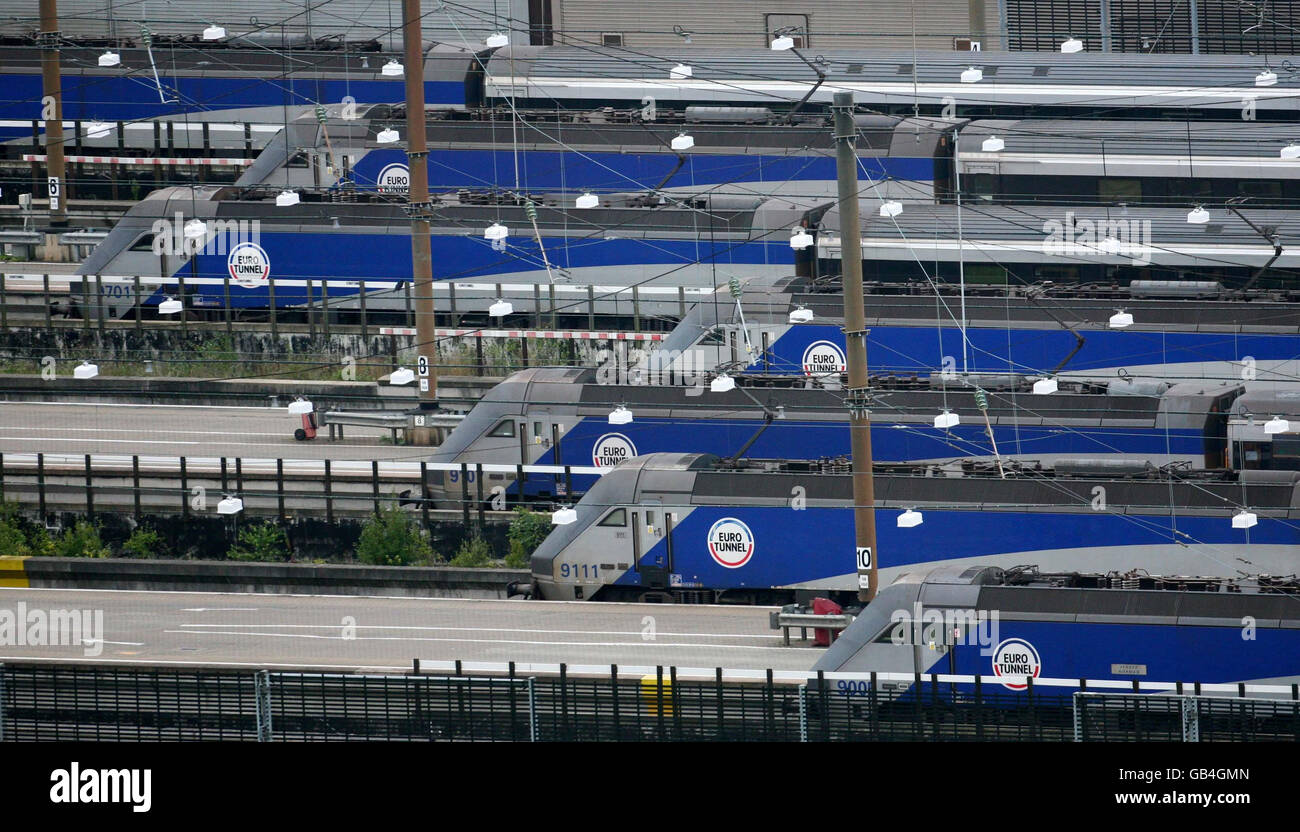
(612, 449)
(731, 543)
(249, 265)
(394, 179)
(822, 358)
(1016, 657)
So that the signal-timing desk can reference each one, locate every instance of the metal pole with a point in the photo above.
(858, 397)
(419, 208)
(53, 116)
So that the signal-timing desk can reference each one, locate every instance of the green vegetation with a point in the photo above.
(393, 538)
(474, 552)
(527, 531)
(261, 541)
(80, 541)
(144, 542)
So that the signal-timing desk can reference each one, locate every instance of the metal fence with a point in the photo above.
(1186, 718)
(42, 701)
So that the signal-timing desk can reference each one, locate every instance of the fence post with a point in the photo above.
(464, 493)
(365, 327)
(874, 705)
(279, 487)
(324, 308)
(674, 704)
(424, 495)
(1191, 719)
(40, 484)
(979, 708)
(613, 686)
(478, 480)
(659, 701)
(721, 704)
(1078, 715)
(329, 501)
(262, 689)
(918, 716)
(803, 713)
(769, 718)
(2, 476)
(139, 324)
(275, 318)
(185, 491)
(90, 492)
(564, 703)
(1036, 728)
(825, 705)
(45, 288)
(374, 481)
(532, 708)
(230, 313)
(135, 487)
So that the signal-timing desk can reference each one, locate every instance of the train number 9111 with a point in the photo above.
(578, 570)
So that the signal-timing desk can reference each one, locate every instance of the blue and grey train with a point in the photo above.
(239, 73)
(562, 416)
(1013, 625)
(252, 70)
(693, 527)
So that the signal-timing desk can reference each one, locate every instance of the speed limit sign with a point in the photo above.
(864, 558)
(422, 364)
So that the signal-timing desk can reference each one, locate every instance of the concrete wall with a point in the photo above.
(744, 24)
(296, 578)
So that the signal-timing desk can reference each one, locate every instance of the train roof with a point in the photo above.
(1258, 141)
(1262, 400)
(703, 480)
(1094, 80)
(242, 56)
(1025, 594)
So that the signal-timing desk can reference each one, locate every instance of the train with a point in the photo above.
(691, 527)
(1013, 626)
(660, 245)
(260, 70)
(600, 418)
(790, 327)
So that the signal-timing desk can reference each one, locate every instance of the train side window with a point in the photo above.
(506, 428)
(617, 517)
(145, 243)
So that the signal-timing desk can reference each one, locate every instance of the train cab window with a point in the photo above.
(1119, 190)
(713, 338)
(506, 428)
(986, 274)
(145, 243)
(617, 517)
(1261, 189)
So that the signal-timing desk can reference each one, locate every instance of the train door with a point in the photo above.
(561, 487)
(654, 572)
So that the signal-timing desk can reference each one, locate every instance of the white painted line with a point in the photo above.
(118, 441)
(487, 630)
(215, 609)
(101, 641)
(487, 641)
(128, 404)
(399, 668)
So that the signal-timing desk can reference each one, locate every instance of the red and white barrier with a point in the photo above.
(180, 161)
(558, 335)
